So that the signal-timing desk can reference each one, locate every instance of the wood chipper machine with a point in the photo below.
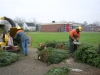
(4, 43)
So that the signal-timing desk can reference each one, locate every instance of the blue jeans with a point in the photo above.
(24, 47)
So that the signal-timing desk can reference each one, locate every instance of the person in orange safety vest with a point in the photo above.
(74, 37)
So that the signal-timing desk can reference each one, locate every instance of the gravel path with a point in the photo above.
(29, 65)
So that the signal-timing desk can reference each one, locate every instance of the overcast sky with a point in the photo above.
(48, 10)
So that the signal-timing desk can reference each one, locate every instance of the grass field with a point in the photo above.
(86, 37)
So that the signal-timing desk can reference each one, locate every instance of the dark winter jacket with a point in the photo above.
(21, 35)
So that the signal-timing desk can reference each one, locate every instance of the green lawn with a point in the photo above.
(86, 37)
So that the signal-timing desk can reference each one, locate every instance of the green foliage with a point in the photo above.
(58, 71)
(51, 44)
(87, 54)
(6, 58)
(52, 55)
(98, 49)
(64, 45)
(96, 62)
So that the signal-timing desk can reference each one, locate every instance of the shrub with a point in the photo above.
(98, 49)
(51, 44)
(58, 71)
(52, 55)
(87, 54)
(6, 58)
(64, 45)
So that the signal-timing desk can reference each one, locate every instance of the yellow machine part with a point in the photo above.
(13, 31)
(2, 44)
(6, 37)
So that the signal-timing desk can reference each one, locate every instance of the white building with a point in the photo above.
(27, 26)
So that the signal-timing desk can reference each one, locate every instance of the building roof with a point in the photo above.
(30, 24)
(74, 24)
(20, 24)
(77, 24)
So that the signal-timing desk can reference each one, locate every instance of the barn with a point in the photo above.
(58, 27)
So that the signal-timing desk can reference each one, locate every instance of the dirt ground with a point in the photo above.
(29, 65)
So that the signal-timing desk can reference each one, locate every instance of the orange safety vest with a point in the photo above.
(19, 31)
(74, 33)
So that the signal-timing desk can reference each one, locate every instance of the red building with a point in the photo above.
(56, 27)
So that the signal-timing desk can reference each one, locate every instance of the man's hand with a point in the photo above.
(75, 40)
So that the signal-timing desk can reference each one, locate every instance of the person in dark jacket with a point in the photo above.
(23, 40)
(74, 37)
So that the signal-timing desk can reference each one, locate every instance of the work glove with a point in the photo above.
(75, 41)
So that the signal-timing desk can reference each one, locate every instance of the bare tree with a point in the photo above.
(85, 23)
(96, 23)
(63, 21)
(19, 20)
(33, 20)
